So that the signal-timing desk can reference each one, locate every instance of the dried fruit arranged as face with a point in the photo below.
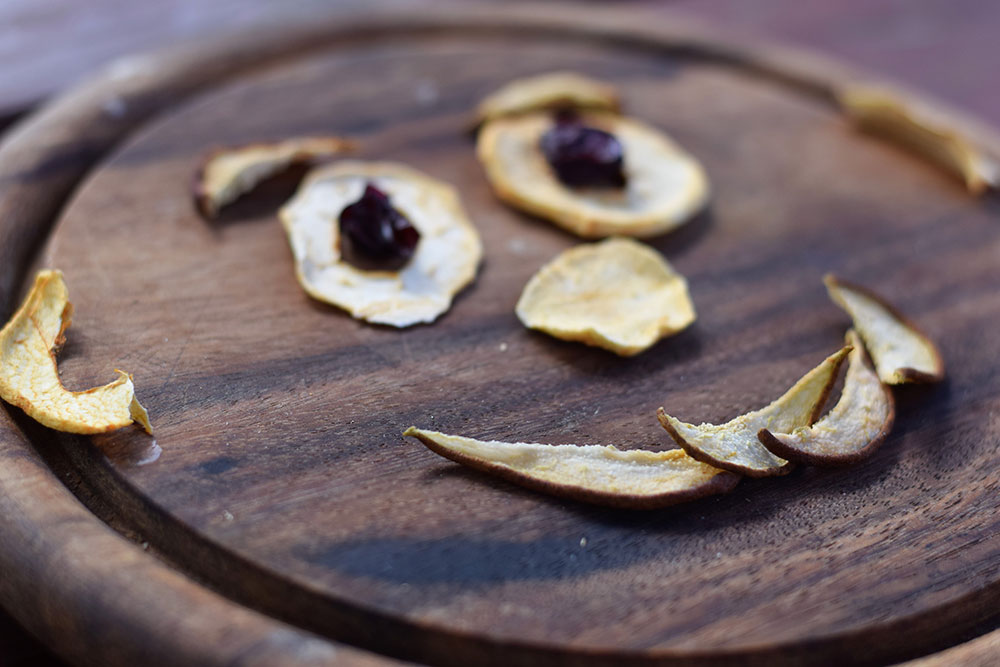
(374, 235)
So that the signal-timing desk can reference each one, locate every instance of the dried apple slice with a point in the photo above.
(227, 173)
(734, 445)
(597, 474)
(901, 352)
(556, 90)
(618, 294)
(882, 112)
(664, 185)
(852, 430)
(445, 259)
(29, 378)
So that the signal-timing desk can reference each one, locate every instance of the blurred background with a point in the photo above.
(946, 48)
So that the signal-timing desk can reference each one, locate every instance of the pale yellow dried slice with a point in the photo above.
(445, 260)
(227, 173)
(665, 186)
(852, 430)
(597, 474)
(618, 294)
(882, 112)
(901, 352)
(734, 445)
(556, 90)
(29, 377)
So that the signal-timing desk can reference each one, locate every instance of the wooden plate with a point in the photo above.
(278, 516)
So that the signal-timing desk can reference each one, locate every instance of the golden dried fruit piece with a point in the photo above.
(852, 430)
(227, 173)
(556, 90)
(881, 112)
(734, 445)
(29, 378)
(603, 475)
(618, 294)
(901, 352)
(665, 186)
(445, 259)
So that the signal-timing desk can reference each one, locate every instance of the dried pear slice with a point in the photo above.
(597, 474)
(445, 260)
(665, 186)
(883, 113)
(852, 430)
(734, 445)
(556, 90)
(29, 378)
(618, 294)
(227, 173)
(901, 352)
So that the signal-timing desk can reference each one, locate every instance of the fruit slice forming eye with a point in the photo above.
(29, 378)
(901, 352)
(734, 445)
(596, 474)
(227, 173)
(557, 90)
(853, 429)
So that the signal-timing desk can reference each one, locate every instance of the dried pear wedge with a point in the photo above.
(665, 186)
(852, 430)
(445, 259)
(29, 378)
(556, 90)
(618, 294)
(603, 475)
(882, 112)
(227, 173)
(901, 352)
(734, 445)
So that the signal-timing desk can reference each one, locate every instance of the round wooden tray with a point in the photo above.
(279, 518)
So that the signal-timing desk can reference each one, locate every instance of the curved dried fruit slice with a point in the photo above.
(618, 294)
(444, 262)
(881, 112)
(29, 378)
(734, 445)
(665, 186)
(901, 352)
(852, 430)
(557, 90)
(591, 473)
(227, 173)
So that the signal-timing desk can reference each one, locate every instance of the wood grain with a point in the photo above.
(284, 484)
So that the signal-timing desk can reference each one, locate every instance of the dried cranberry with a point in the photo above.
(374, 235)
(581, 155)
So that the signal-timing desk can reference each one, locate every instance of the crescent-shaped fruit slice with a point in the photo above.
(665, 186)
(618, 294)
(227, 173)
(29, 377)
(734, 445)
(591, 473)
(852, 430)
(445, 259)
(556, 90)
(882, 113)
(901, 352)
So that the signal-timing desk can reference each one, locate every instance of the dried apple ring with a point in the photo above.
(555, 90)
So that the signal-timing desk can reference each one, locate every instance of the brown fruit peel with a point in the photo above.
(602, 475)
(617, 294)
(29, 377)
(225, 174)
(852, 430)
(884, 113)
(555, 90)
(900, 350)
(734, 445)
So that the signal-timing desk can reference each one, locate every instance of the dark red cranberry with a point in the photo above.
(374, 235)
(583, 156)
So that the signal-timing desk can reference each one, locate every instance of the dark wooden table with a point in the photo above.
(947, 49)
